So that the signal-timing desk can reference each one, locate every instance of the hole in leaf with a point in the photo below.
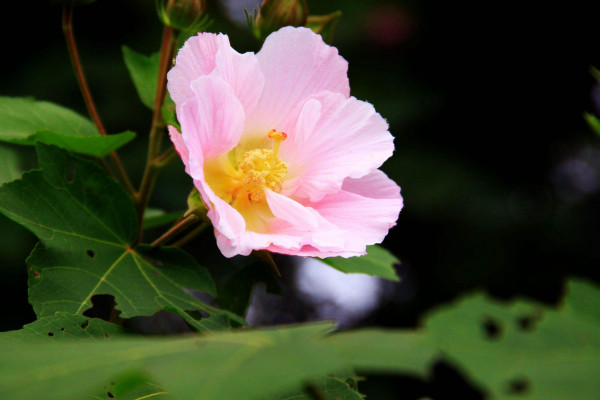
(85, 324)
(102, 306)
(109, 394)
(62, 329)
(90, 253)
(528, 322)
(492, 328)
(518, 386)
(50, 334)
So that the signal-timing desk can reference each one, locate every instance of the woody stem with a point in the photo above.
(67, 26)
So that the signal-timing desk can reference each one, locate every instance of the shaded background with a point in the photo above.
(499, 172)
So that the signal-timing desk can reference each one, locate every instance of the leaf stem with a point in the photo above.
(67, 26)
(181, 225)
(154, 161)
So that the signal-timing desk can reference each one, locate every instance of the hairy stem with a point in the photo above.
(67, 26)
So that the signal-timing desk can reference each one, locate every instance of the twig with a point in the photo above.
(67, 26)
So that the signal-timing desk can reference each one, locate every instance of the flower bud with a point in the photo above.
(324, 25)
(184, 15)
(275, 14)
(196, 205)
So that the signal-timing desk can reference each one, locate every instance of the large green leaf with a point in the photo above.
(247, 365)
(86, 224)
(515, 350)
(25, 121)
(522, 349)
(378, 262)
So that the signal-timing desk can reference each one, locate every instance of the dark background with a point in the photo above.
(499, 172)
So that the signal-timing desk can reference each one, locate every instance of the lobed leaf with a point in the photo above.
(87, 225)
(534, 353)
(26, 121)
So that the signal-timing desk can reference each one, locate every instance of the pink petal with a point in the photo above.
(368, 215)
(296, 64)
(212, 121)
(243, 74)
(180, 146)
(291, 211)
(375, 185)
(195, 59)
(349, 139)
(211, 54)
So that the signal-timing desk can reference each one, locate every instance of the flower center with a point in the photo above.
(260, 169)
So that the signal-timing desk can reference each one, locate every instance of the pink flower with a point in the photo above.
(314, 190)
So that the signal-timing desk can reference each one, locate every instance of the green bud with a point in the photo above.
(275, 14)
(184, 15)
(196, 205)
(324, 25)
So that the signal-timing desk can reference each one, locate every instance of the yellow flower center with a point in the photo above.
(260, 169)
(241, 181)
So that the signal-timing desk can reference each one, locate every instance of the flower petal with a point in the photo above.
(180, 146)
(212, 121)
(296, 64)
(350, 139)
(211, 54)
(195, 59)
(369, 215)
(291, 211)
(243, 74)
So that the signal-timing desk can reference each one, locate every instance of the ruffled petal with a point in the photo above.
(342, 138)
(368, 207)
(242, 72)
(212, 121)
(195, 59)
(211, 54)
(296, 64)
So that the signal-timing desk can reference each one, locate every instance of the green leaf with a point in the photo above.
(10, 164)
(247, 364)
(144, 73)
(378, 262)
(523, 349)
(64, 327)
(86, 224)
(25, 121)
